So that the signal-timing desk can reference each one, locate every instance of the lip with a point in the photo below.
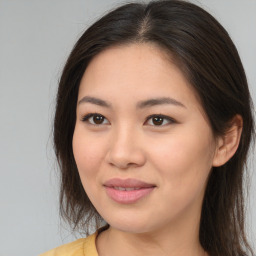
(115, 189)
(127, 183)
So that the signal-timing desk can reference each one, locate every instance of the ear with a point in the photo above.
(228, 143)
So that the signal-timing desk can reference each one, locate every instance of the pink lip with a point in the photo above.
(141, 189)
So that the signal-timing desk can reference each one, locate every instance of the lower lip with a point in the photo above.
(127, 197)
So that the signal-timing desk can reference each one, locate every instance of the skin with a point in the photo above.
(176, 156)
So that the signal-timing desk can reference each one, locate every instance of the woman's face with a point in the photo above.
(142, 143)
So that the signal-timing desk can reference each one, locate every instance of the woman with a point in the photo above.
(152, 130)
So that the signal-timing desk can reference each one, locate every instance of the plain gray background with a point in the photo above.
(35, 38)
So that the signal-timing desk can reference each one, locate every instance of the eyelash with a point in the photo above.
(169, 119)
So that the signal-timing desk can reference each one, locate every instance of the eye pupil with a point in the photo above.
(97, 119)
(157, 120)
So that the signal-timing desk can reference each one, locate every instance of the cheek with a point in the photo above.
(87, 153)
(184, 160)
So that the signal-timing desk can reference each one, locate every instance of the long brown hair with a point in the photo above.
(204, 52)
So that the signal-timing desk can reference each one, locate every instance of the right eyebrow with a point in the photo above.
(95, 101)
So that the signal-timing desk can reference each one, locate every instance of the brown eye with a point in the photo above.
(157, 120)
(95, 119)
(160, 120)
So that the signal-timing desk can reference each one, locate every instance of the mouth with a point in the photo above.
(127, 191)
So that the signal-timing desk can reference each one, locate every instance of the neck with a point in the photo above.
(172, 240)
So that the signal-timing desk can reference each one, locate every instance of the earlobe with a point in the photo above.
(228, 143)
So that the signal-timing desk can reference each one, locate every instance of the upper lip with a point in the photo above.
(127, 183)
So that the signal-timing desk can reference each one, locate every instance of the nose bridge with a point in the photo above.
(124, 134)
(125, 147)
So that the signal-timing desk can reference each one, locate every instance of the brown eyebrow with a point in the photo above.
(95, 101)
(159, 101)
(139, 105)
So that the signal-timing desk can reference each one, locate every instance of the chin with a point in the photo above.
(131, 225)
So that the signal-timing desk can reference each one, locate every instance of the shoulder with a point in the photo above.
(80, 247)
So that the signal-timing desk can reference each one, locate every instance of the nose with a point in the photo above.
(126, 149)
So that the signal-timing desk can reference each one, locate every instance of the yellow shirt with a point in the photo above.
(80, 247)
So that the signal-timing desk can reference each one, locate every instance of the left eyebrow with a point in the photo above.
(158, 101)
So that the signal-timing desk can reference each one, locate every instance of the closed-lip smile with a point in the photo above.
(127, 191)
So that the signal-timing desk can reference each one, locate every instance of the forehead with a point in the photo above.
(136, 71)
(142, 57)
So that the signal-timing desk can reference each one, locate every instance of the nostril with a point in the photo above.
(125, 148)
(125, 159)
